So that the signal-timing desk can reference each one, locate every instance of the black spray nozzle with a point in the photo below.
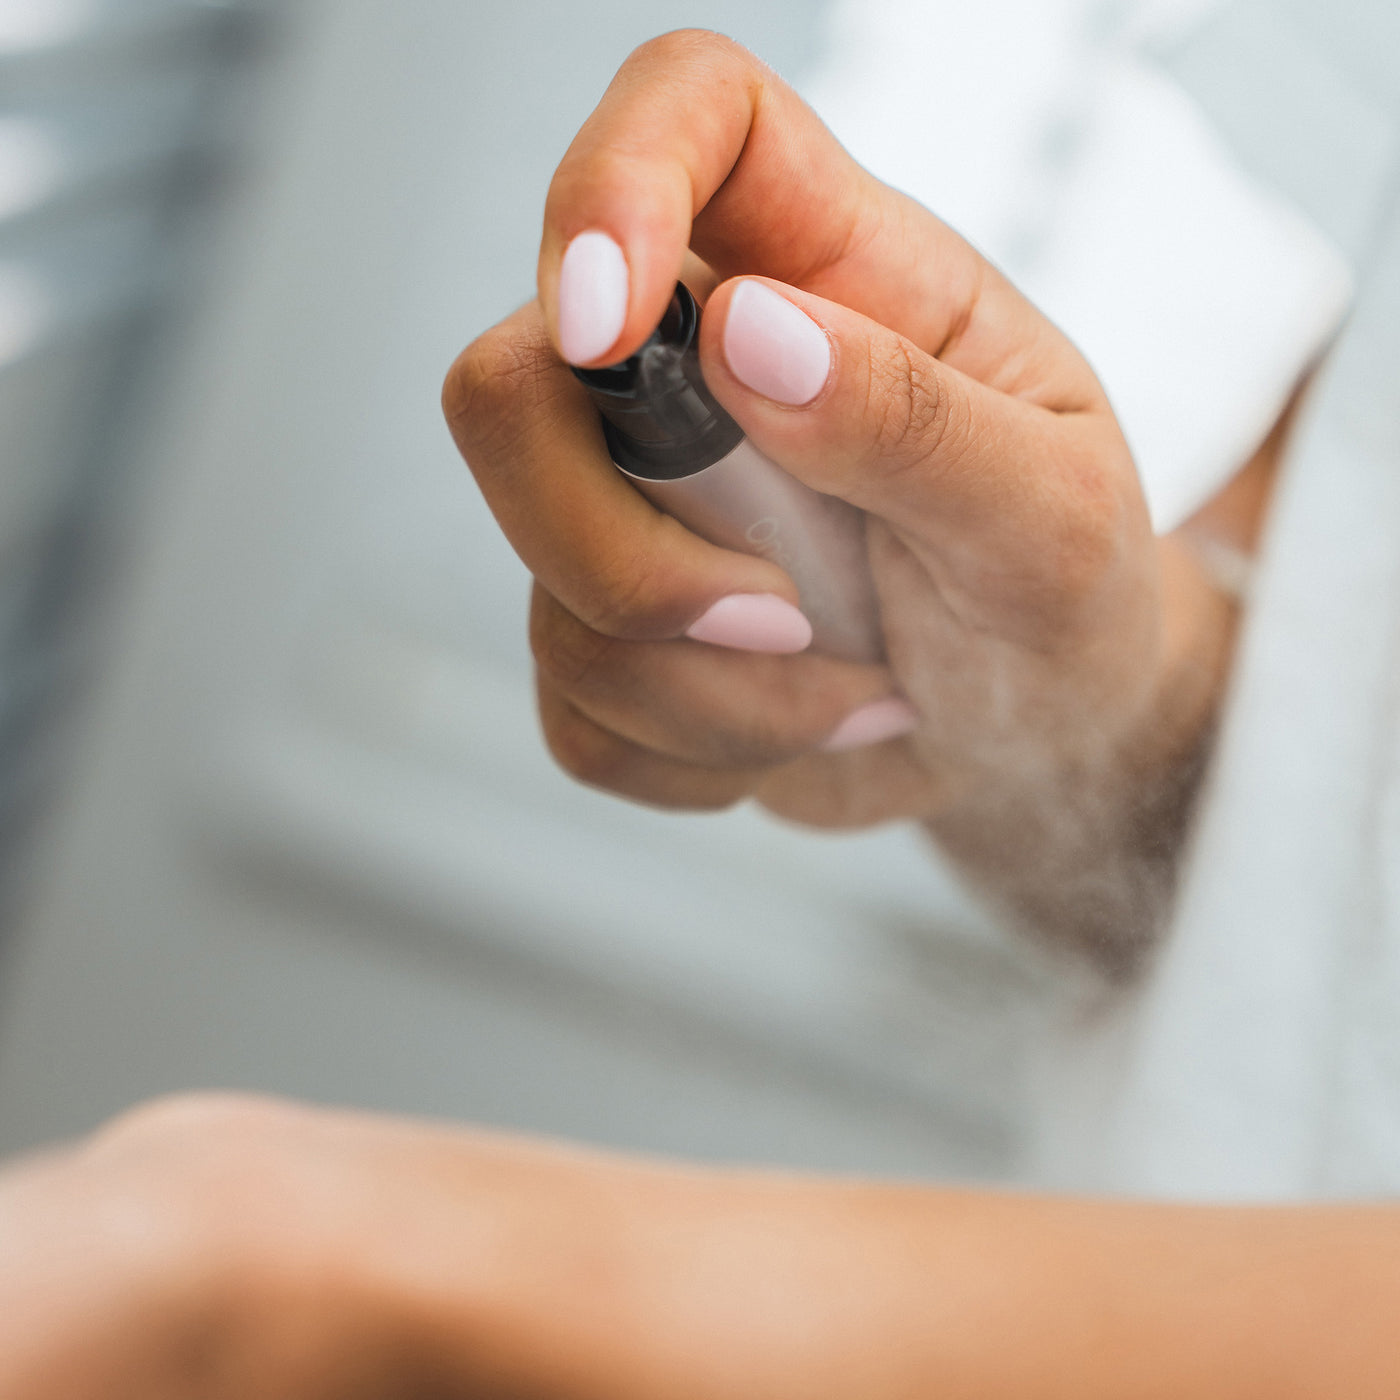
(659, 417)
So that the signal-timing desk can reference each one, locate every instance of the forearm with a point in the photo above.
(1062, 1300)
(816, 1291)
(215, 1248)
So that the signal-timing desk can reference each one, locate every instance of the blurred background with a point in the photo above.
(274, 811)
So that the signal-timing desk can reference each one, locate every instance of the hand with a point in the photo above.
(211, 1247)
(1039, 637)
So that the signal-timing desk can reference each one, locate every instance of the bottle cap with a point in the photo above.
(659, 417)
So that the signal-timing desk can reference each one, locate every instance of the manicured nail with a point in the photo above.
(592, 297)
(873, 724)
(773, 347)
(753, 622)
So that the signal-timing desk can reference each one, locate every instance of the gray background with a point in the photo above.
(309, 840)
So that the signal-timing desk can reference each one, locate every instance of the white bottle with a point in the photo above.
(669, 436)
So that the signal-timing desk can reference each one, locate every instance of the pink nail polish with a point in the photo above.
(873, 724)
(753, 622)
(593, 287)
(774, 348)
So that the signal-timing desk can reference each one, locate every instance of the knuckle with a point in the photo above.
(626, 596)
(207, 1117)
(585, 751)
(219, 1177)
(489, 384)
(611, 171)
(681, 46)
(566, 651)
(909, 407)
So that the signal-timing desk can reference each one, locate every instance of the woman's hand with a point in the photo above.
(1043, 646)
(213, 1247)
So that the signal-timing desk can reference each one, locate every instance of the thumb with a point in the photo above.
(984, 483)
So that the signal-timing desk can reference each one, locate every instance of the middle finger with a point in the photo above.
(704, 705)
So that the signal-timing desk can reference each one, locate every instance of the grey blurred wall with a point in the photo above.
(310, 841)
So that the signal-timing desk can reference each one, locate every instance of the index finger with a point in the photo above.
(698, 144)
(534, 443)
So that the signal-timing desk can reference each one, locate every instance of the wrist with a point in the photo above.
(1079, 838)
(1200, 624)
(104, 1291)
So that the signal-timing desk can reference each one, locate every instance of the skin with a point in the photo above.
(207, 1249)
(1064, 661)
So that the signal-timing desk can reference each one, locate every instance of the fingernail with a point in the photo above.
(773, 347)
(592, 297)
(753, 622)
(873, 724)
